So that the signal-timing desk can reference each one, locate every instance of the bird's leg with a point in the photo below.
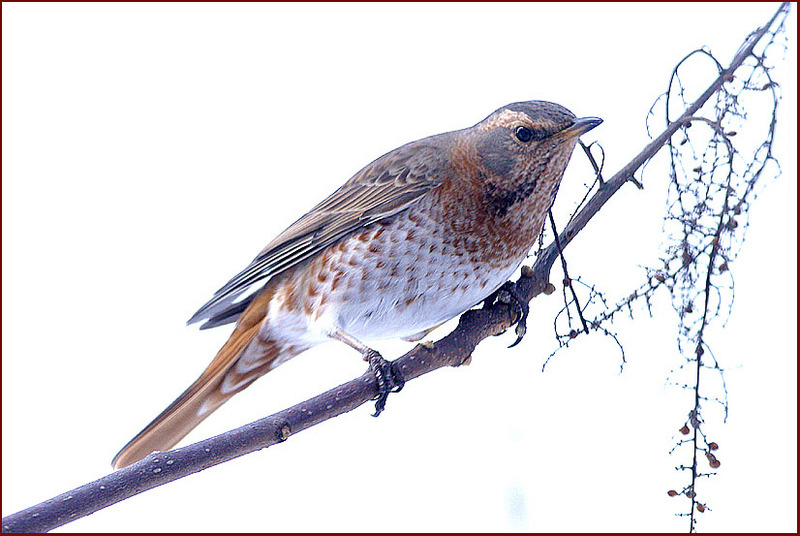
(390, 379)
(508, 294)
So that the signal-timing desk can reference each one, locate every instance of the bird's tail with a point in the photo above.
(246, 356)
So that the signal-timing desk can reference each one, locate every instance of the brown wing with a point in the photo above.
(389, 185)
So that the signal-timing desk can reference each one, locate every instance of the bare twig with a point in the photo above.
(567, 280)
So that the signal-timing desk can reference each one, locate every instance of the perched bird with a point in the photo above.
(414, 239)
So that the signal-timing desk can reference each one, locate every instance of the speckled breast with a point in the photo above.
(409, 273)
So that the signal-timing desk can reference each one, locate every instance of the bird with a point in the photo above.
(414, 239)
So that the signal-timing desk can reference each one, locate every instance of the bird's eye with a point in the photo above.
(523, 134)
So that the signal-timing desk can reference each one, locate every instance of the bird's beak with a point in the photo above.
(580, 126)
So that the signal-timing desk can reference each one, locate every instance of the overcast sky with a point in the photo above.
(151, 150)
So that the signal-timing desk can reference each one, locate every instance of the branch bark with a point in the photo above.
(453, 350)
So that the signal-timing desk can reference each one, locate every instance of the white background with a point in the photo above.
(151, 150)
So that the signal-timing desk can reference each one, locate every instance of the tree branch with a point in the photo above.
(453, 350)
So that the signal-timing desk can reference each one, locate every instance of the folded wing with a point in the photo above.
(389, 185)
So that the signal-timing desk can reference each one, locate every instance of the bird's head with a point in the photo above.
(527, 137)
(526, 146)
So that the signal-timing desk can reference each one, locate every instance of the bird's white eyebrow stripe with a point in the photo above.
(507, 116)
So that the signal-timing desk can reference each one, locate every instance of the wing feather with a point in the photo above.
(387, 186)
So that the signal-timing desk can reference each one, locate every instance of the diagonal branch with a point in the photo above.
(453, 350)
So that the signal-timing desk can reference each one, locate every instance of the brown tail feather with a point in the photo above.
(221, 380)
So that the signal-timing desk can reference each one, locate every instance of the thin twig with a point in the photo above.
(567, 278)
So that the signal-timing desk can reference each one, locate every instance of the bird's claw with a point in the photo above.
(390, 379)
(508, 294)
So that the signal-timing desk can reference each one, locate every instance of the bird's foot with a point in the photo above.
(519, 307)
(390, 379)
